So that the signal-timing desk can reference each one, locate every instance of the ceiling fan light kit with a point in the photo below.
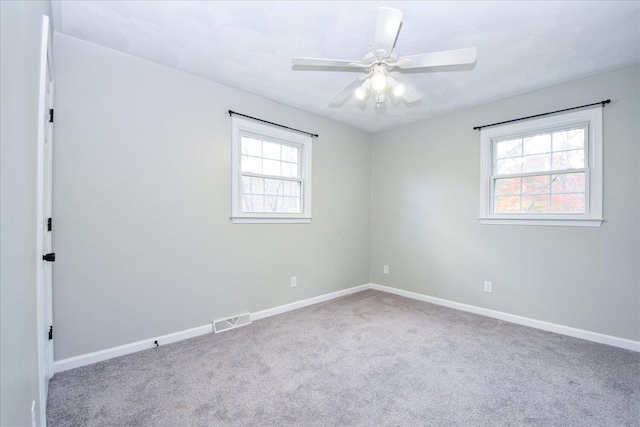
(381, 59)
(397, 88)
(361, 91)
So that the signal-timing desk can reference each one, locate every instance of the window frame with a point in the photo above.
(253, 129)
(593, 217)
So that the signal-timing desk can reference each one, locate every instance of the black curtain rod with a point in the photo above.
(603, 103)
(313, 135)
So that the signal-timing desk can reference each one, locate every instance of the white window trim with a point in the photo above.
(240, 127)
(593, 217)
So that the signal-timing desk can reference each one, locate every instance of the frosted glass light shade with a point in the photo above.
(378, 82)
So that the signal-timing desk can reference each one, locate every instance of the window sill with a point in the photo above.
(561, 222)
(269, 220)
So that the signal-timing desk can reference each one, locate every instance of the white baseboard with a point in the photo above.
(110, 353)
(306, 302)
(525, 321)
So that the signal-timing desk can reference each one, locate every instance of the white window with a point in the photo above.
(271, 169)
(546, 171)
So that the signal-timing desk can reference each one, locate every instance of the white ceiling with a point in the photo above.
(522, 46)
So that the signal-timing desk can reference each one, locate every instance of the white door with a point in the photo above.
(47, 242)
(45, 222)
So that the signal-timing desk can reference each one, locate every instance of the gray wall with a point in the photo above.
(21, 33)
(142, 201)
(425, 205)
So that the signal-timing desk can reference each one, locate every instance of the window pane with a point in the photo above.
(509, 166)
(251, 164)
(507, 186)
(251, 185)
(271, 167)
(273, 186)
(292, 188)
(536, 184)
(257, 185)
(251, 147)
(537, 144)
(535, 204)
(246, 184)
(272, 204)
(538, 163)
(291, 204)
(568, 139)
(573, 159)
(507, 204)
(511, 148)
(290, 154)
(271, 150)
(569, 183)
(289, 170)
(568, 203)
(252, 203)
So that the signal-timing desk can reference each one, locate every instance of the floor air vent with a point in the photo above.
(231, 323)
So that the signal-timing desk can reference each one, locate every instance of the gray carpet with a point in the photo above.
(368, 359)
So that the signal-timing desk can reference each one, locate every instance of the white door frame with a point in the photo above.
(43, 235)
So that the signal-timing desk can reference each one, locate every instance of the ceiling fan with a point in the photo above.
(381, 59)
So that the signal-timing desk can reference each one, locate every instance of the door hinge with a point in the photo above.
(49, 257)
(50, 332)
(49, 224)
(50, 115)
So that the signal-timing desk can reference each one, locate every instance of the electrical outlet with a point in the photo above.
(294, 281)
(385, 269)
(488, 286)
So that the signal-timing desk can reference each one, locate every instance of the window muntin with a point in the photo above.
(271, 174)
(541, 173)
(546, 171)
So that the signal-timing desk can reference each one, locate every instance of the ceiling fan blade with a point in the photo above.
(345, 93)
(387, 28)
(439, 59)
(321, 62)
(410, 94)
